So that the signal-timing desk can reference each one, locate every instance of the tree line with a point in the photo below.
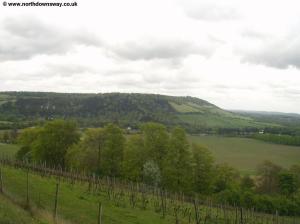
(279, 139)
(163, 159)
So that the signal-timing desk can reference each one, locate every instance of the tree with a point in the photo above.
(177, 166)
(26, 139)
(288, 183)
(295, 169)
(226, 177)
(94, 140)
(247, 183)
(81, 158)
(112, 153)
(268, 181)
(202, 169)
(156, 142)
(53, 141)
(151, 173)
(134, 158)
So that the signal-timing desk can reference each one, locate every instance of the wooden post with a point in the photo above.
(242, 220)
(27, 188)
(100, 213)
(197, 218)
(1, 181)
(55, 202)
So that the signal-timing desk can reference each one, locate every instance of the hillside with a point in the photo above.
(125, 109)
(78, 202)
(286, 119)
(11, 213)
(290, 120)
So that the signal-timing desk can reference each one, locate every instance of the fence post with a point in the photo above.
(55, 202)
(1, 181)
(100, 213)
(27, 188)
(242, 220)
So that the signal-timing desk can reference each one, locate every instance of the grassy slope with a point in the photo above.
(215, 121)
(13, 214)
(74, 203)
(245, 154)
(212, 116)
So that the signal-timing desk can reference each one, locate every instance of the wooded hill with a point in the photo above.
(125, 109)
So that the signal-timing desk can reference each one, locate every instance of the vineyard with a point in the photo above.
(74, 197)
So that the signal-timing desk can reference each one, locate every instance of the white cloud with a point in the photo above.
(236, 54)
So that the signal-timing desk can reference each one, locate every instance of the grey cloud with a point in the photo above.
(154, 49)
(213, 12)
(279, 53)
(248, 33)
(287, 93)
(68, 70)
(50, 70)
(234, 87)
(24, 38)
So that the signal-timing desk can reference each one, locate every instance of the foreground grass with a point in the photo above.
(245, 154)
(75, 204)
(11, 213)
(78, 205)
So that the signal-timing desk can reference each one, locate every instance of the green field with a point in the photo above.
(8, 149)
(75, 203)
(245, 154)
(11, 213)
(79, 205)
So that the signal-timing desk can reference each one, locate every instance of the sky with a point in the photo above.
(236, 54)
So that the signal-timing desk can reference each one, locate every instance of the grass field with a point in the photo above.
(8, 149)
(75, 203)
(245, 154)
(11, 213)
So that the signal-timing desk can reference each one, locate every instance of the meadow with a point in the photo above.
(75, 203)
(78, 202)
(11, 213)
(245, 154)
(8, 149)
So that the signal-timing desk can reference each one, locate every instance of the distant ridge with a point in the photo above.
(127, 109)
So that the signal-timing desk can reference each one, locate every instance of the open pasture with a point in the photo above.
(245, 153)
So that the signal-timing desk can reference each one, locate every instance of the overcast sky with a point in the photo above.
(237, 54)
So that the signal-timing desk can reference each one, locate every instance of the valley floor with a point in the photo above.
(245, 154)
